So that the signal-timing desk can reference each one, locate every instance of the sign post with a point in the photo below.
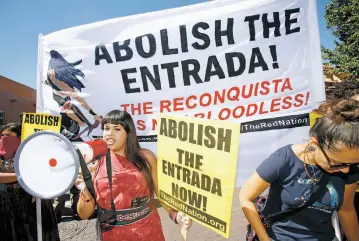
(38, 219)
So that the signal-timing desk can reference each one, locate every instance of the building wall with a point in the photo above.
(15, 98)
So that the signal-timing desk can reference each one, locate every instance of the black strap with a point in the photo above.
(109, 174)
(318, 191)
(86, 175)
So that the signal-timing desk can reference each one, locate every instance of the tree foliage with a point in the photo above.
(344, 90)
(342, 18)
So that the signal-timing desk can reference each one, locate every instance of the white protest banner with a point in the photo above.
(225, 60)
(260, 138)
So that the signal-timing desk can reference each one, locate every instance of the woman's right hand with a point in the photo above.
(80, 183)
(183, 221)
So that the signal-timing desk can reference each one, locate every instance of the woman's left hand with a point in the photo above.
(97, 118)
(184, 221)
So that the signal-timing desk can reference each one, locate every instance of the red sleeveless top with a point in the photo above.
(128, 183)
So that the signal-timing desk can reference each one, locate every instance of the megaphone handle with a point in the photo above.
(38, 219)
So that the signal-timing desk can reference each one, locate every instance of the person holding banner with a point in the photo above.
(17, 209)
(308, 182)
(129, 188)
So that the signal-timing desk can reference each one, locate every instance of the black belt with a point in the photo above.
(124, 216)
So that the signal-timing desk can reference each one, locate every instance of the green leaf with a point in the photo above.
(343, 20)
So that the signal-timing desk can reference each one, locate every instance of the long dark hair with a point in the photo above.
(13, 127)
(133, 149)
(65, 71)
(339, 124)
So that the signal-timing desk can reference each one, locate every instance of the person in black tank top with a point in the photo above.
(17, 208)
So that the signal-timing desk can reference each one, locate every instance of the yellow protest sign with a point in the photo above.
(34, 122)
(313, 117)
(197, 164)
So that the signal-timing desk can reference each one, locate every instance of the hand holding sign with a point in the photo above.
(184, 221)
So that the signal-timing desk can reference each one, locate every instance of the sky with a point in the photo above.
(22, 21)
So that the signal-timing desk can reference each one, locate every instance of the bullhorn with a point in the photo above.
(47, 163)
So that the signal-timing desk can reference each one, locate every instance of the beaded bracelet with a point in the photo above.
(83, 198)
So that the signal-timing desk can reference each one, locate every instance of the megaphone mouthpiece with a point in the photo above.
(92, 149)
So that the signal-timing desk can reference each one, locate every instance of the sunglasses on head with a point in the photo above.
(339, 166)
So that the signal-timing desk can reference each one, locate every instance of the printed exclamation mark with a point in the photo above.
(307, 98)
(273, 51)
(204, 203)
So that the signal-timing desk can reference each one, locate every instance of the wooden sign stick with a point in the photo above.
(183, 234)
